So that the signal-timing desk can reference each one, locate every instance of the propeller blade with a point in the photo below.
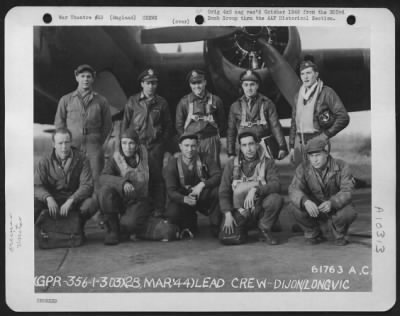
(183, 34)
(281, 72)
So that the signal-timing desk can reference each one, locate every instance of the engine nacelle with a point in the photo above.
(229, 56)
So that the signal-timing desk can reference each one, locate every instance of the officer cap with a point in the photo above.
(250, 75)
(187, 136)
(316, 145)
(130, 133)
(195, 75)
(85, 67)
(308, 63)
(148, 75)
(247, 134)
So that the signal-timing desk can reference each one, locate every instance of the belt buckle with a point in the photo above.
(195, 117)
(84, 131)
(249, 124)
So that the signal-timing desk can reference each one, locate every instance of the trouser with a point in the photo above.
(338, 221)
(95, 154)
(156, 180)
(133, 213)
(211, 146)
(185, 216)
(83, 208)
(299, 148)
(264, 216)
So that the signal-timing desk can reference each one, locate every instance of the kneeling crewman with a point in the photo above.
(124, 189)
(63, 180)
(192, 181)
(249, 194)
(321, 190)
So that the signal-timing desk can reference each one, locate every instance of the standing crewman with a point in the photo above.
(192, 183)
(256, 113)
(319, 112)
(203, 114)
(87, 115)
(321, 191)
(148, 113)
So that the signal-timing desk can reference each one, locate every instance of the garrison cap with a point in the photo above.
(247, 134)
(85, 67)
(130, 133)
(195, 75)
(316, 145)
(187, 136)
(308, 63)
(148, 75)
(250, 75)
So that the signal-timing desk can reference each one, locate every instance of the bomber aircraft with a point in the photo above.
(120, 53)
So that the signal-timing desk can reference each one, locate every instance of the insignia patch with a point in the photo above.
(150, 72)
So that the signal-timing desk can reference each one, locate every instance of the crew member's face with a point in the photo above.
(62, 145)
(188, 148)
(85, 80)
(250, 88)
(128, 146)
(198, 87)
(308, 76)
(318, 159)
(149, 87)
(248, 147)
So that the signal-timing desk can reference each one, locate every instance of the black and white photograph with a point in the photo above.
(237, 151)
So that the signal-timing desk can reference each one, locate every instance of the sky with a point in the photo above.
(311, 38)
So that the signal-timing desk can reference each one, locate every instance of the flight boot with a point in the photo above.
(112, 234)
(266, 236)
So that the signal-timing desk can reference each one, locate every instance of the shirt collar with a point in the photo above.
(195, 97)
(76, 92)
(58, 159)
(253, 98)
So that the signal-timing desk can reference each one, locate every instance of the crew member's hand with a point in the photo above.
(291, 156)
(128, 189)
(66, 207)
(196, 190)
(249, 201)
(229, 223)
(325, 207)
(190, 200)
(282, 154)
(52, 206)
(311, 208)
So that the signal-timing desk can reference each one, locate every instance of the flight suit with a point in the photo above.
(151, 120)
(89, 120)
(336, 186)
(257, 115)
(204, 117)
(61, 183)
(132, 211)
(179, 179)
(261, 174)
